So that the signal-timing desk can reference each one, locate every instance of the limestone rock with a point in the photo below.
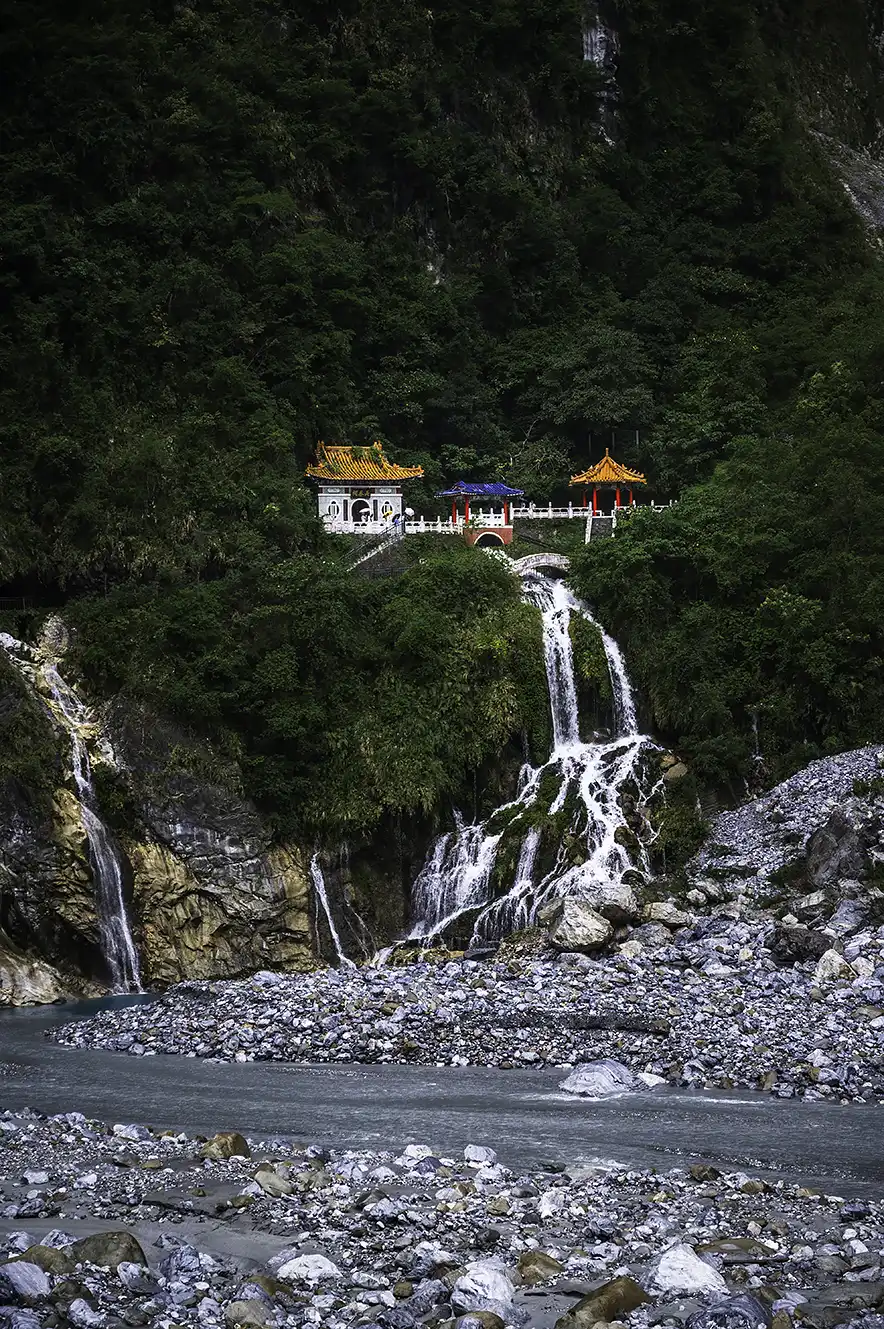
(676, 772)
(599, 1079)
(668, 913)
(272, 1183)
(612, 1301)
(306, 1268)
(226, 1144)
(579, 927)
(832, 967)
(680, 1270)
(848, 918)
(485, 1285)
(24, 1280)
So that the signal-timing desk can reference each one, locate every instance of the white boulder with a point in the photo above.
(599, 1079)
(485, 1285)
(578, 927)
(305, 1268)
(681, 1270)
(831, 967)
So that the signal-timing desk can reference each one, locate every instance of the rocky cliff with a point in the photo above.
(207, 891)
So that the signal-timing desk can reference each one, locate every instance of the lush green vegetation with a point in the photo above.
(340, 698)
(752, 611)
(228, 229)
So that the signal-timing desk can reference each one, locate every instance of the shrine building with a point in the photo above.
(359, 489)
(608, 477)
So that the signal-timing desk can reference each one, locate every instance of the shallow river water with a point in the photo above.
(522, 1114)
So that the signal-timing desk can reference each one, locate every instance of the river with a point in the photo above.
(521, 1113)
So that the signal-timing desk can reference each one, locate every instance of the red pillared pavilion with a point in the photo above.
(608, 474)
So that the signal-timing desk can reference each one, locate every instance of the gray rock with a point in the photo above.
(741, 1312)
(680, 1269)
(834, 851)
(599, 1079)
(25, 1280)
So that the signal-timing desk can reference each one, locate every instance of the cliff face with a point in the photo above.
(207, 892)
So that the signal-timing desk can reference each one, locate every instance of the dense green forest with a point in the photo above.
(230, 228)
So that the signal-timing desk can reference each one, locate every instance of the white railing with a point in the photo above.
(485, 517)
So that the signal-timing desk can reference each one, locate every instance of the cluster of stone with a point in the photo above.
(123, 1226)
(715, 1004)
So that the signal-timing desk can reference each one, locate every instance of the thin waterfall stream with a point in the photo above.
(320, 895)
(457, 877)
(117, 943)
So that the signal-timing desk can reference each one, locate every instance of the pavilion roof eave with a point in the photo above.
(609, 472)
(465, 490)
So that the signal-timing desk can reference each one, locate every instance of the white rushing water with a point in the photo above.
(320, 895)
(117, 944)
(457, 876)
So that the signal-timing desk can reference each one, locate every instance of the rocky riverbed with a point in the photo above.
(718, 1004)
(111, 1225)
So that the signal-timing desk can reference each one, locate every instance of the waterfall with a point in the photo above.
(322, 903)
(601, 46)
(457, 876)
(117, 944)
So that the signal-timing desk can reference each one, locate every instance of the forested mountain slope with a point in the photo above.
(230, 228)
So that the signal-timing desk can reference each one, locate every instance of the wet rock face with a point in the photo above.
(214, 895)
(209, 894)
(47, 902)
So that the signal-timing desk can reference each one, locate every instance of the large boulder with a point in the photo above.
(611, 1302)
(833, 968)
(107, 1249)
(834, 852)
(295, 1268)
(485, 1285)
(578, 927)
(791, 945)
(24, 1281)
(680, 1270)
(599, 1079)
(224, 1145)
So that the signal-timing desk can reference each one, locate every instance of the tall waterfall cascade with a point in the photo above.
(456, 878)
(601, 47)
(117, 944)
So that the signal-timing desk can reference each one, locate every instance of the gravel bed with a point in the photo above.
(710, 1008)
(119, 1225)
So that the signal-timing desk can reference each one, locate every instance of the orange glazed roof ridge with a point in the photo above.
(337, 461)
(608, 472)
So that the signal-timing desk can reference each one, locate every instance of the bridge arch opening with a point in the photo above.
(488, 540)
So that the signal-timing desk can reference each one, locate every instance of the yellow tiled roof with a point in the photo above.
(609, 472)
(335, 461)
